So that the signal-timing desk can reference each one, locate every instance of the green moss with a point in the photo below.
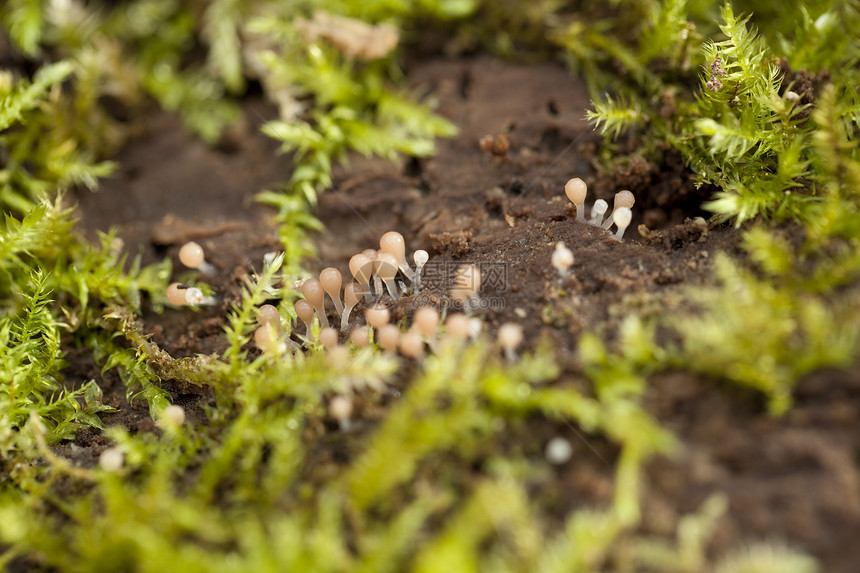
(251, 482)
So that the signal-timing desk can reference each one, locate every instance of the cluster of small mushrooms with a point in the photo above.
(621, 216)
(383, 276)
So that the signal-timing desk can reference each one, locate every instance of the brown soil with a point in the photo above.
(795, 478)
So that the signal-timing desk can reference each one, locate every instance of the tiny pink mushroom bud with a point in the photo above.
(377, 315)
(386, 271)
(305, 312)
(361, 268)
(184, 295)
(622, 199)
(475, 327)
(111, 460)
(351, 294)
(331, 280)
(388, 337)
(621, 217)
(269, 315)
(598, 210)
(328, 337)
(457, 326)
(173, 414)
(411, 345)
(392, 242)
(576, 190)
(360, 336)
(191, 255)
(373, 255)
(267, 339)
(315, 294)
(562, 259)
(426, 322)
(339, 357)
(510, 337)
(467, 283)
(176, 294)
(340, 408)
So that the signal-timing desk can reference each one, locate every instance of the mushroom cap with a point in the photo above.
(457, 326)
(388, 266)
(331, 280)
(392, 242)
(388, 336)
(420, 257)
(558, 451)
(360, 336)
(576, 190)
(176, 294)
(411, 345)
(340, 408)
(313, 291)
(562, 257)
(361, 268)
(377, 315)
(265, 338)
(304, 311)
(268, 314)
(426, 321)
(600, 206)
(622, 217)
(475, 326)
(174, 414)
(328, 337)
(624, 199)
(510, 335)
(191, 255)
(111, 459)
(351, 294)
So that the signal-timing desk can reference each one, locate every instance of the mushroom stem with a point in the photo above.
(351, 294)
(361, 268)
(305, 312)
(387, 270)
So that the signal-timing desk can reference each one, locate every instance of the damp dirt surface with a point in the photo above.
(499, 205)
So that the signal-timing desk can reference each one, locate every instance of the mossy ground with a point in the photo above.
(694, 368)
(794, 478)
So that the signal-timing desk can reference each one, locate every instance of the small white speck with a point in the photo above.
(520, 312)
(558, 451)
(111, 460)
